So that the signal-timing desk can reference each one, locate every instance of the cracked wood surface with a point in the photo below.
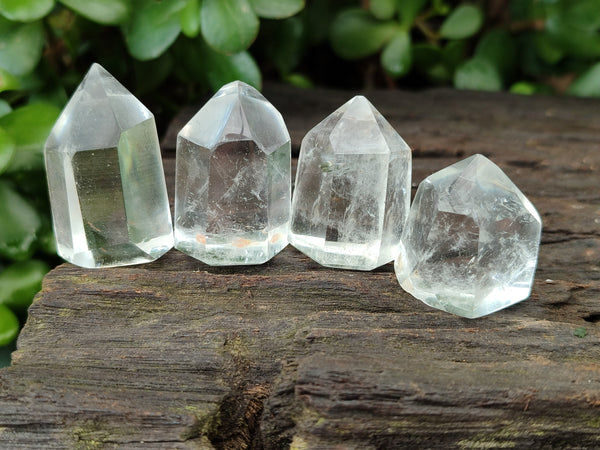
(176, 354)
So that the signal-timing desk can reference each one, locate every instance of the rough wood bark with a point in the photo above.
(176, 354)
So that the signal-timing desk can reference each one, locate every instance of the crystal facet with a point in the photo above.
(471, 242)
(233, 180)
(105, 177)
(352, 190)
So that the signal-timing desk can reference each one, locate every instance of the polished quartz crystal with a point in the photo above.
(105, 177)
(471, 242)
(352, 189)
(233, 180)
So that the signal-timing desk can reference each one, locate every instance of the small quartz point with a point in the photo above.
(105, 176)
(471, 242)
(352, 189)
(233, 180)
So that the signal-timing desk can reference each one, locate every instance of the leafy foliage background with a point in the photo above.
(171, 53)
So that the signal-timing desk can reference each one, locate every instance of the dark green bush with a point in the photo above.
(172, 52)
(526, 46)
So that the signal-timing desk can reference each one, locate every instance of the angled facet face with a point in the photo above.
(471, 242)
(352, 189)
(105, 177)
(233, 180)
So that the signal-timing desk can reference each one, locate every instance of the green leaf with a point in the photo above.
(106, 12)
(547, 48)
(318, 19)
(500, 49)
(587, 84)
(151, 74)
(29, 127)
(583, 14)
(436, 63)
(477, 74)
(7, 149)
(396, 57)
(276, 9)
(524, 88)
(190, 18)
(426, 55)
(409, 9)
(574, 41)
(463, 22)
(454, 53)
(216, 69)
(20, 281)
(228, 26)
(284, 42)
(222, 69)
(9, 326)
(441, 7)
(383, 9)
(4, 107)
(439, 74)
(54, 94)
(521, 10)
(299, 80)
(153, 28)
(356, 34)
(19, 223)
(25, 10)
(21, 47)
(8, 82)
(47, 242)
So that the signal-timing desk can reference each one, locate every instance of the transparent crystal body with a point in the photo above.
(352, 190)
(105, 177)
(233, 180)
(471, 242)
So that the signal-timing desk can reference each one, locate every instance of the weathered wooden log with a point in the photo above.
(177, 354)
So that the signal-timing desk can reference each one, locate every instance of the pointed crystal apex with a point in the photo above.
(362, 129)
(358, 108)
(237, 111)
(100, 109)
(96, 77)
(232, 199)
(240, 89)
(471, 242)
(107, 188)
(352, 189)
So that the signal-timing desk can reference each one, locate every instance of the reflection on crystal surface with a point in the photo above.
(105, 177)
(352, 189)
(232, 200)
(471, 242)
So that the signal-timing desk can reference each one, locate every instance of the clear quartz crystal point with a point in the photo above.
(352, 189)
(471, 242)
(105, 177)
(233, 180)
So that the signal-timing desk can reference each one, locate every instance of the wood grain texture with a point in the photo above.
(177, 354)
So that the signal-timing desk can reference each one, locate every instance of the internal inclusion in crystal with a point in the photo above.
(232, 201)
(471, 241)
(105, 176)
(352, 189)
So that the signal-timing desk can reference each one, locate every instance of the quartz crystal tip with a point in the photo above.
(471, 242)
(105, 177)
(352, 189)
(233, 180)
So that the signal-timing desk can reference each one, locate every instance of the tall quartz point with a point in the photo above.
(105, 176)
(471, 242)
(352, 189)
(233, 180)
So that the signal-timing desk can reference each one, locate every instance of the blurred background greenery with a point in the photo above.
(172, 53)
